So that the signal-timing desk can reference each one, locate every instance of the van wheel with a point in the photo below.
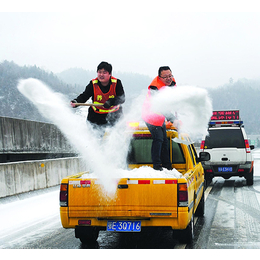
(208, 180)
(185, 236)
(86, 234)
(250, 178)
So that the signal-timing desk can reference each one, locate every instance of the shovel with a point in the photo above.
(88, 104)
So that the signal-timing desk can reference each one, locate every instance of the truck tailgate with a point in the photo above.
(134, 197)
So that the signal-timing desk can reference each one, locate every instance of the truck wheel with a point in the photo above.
(208, 180)
(201, 207)
(250, 178)
(86, 234)
(185, 236)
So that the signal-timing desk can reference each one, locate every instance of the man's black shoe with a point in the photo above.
(168, 167)
(158, 168)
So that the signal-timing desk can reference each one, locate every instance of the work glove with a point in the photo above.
(168, 124)
(108, 104)
(72, 103)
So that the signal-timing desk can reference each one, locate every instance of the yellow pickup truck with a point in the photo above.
(166, 201)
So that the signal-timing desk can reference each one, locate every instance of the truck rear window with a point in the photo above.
(224, 138)
(177, 153)
(140, 152)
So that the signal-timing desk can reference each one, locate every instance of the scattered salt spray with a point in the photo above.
(105, 157)
(191, 104)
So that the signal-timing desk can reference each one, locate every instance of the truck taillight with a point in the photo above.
(202, 145)
(182, 195)
(64, 195)
(247, 146)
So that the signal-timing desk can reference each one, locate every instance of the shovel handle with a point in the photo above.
(88, 104)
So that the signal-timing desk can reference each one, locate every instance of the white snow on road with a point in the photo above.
(25, 217)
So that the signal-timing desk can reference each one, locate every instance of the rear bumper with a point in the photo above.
(241, 170)
(179, 222)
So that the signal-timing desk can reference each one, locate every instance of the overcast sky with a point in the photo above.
(202, 48)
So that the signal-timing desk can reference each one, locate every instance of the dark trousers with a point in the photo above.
(160, 147)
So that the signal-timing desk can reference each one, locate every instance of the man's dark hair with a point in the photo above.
(106, 66)
(163, 68)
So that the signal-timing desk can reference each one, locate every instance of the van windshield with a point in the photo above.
(224, 138)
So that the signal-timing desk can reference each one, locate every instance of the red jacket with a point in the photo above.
(148, 116)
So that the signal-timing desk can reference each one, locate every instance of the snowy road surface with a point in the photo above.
(231, 221)
(28, 216)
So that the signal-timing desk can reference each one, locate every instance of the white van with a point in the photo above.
(229, 149)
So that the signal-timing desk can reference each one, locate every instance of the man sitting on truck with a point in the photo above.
(156, 122)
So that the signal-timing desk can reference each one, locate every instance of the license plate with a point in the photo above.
(124, 226)
(225, 169)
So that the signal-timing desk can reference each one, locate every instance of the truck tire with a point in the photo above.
(201, 207)
(250, 178)
(186, 235)
(86, 234)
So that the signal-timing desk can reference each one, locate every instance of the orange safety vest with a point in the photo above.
(101, 98)
(148, 116)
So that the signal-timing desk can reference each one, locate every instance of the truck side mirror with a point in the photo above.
(203, 156)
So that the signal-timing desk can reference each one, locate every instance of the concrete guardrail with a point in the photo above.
(20, 177)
